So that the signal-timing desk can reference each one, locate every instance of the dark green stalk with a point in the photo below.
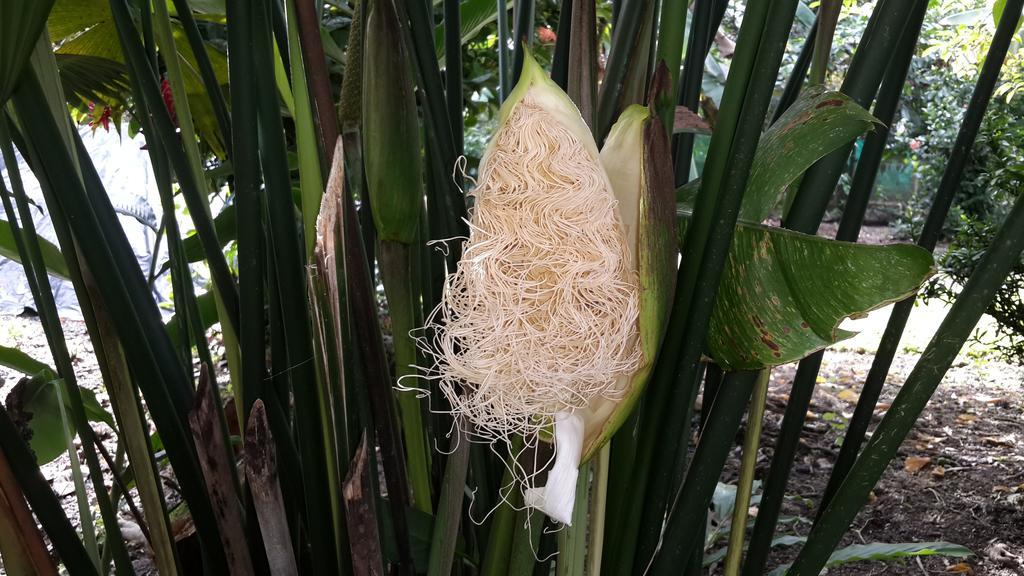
(504, 81)
(42, 499)
(620, 61)
(560, 58)
(503, 527)
(453, 70)
(701, 35)
(529, 528)
(418, 29)
(245, 159)
(748, 93)
(866, 70)
(151, 103)
(712, 384)
(117, 275)
(797, 76)
(291, 275)
(449, 509)
(582, 60)
(1002, 255)
(671, 30)
(825, 25)
(206, 73)
(716, 442)
(523, 35)
(937, 214)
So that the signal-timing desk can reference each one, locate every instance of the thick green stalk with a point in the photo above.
(581, 75)
(702, 33)
(670, 50)
(453, 70)
(956, 328)
(572, 540)
(311, 185)
(716, 441)
(245, 159)
(503, 527)
(624, 49)
(598, 513)
(740, 511)
(307, 18)
(504, 79)
(797, 76)
(449, 509)
(395, 264)
(825, 27)
(934, 223)
(560, 57)
(529, 528)
(522, 35)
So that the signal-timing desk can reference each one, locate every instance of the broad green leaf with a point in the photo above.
(52, 257)
(882, 551)
(966, 17)
(17, 360)
(33, 404)
(474, 15)
(784, 294)
(21, 23)
(997, 13)
(816, 124)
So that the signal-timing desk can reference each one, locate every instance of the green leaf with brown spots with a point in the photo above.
(816, 124)
(769, 310)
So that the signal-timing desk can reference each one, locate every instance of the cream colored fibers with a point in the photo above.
(540, 318)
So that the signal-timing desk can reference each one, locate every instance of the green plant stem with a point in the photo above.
(702, 33)
(529, 528)
(797, 76)
(716, 441)
(825, 25)
(449, 509)
(395, 262)
(453, 70)
(504, 81)
(523, 34)
(951, 178)
(572, 540)
(621, 57)
(503, 526)
(311, 184)
(755, 416)
(136, 317)
(670, 50)
(598, 513)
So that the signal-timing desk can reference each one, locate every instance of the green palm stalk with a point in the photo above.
(391, 145)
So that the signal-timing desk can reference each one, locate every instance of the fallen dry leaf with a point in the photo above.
(882, 406)
(847, 395)
(961, 568)
(914, 464)
(966, 418)
(687, 120)
(938, 472)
